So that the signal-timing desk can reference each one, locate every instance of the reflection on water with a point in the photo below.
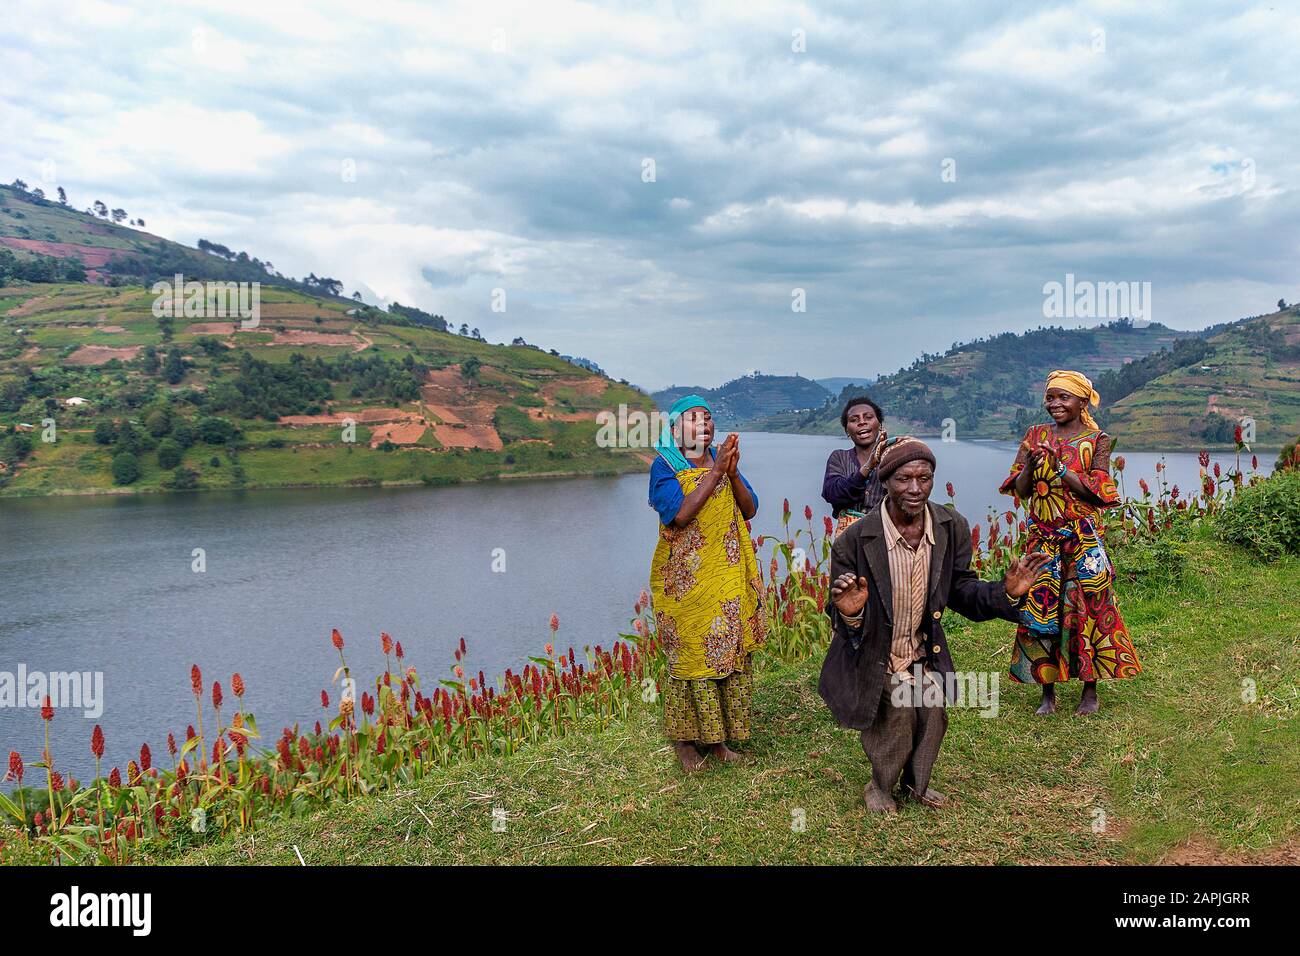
(106, 584)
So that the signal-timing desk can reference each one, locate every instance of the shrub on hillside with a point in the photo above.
(1265, 516)
(169, 454)
(126, 468)
(105, 433)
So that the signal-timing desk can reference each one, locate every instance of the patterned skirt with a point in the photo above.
(1089, 643)
(846, 518)
(710, 711)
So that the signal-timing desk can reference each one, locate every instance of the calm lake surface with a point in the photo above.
(105, 584)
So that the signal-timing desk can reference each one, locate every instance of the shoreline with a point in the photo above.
(404, 483)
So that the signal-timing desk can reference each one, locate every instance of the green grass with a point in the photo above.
(1175, 754)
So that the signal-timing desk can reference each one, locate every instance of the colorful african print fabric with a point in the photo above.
(706, 587)
(710, 711)
(846, 518)
(1070, 625)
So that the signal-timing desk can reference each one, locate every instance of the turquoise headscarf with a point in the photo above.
(667, 444)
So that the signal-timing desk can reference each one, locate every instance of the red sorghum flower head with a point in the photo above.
(398, 650)
(237, 685)
(146, 758)
(47, 710)
(97, 741)
(216, 694)
(555, 622)
(171, 744)
(115, 778)
(1205, 459)
(336, 638)
(324, 700)
(189, 732)
(15, 766)
(56, 780)
(807, 512)
(828, 525)
(386, 642)
(196, 681)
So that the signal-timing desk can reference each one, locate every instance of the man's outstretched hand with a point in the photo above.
(1023, 573)
(849, 594)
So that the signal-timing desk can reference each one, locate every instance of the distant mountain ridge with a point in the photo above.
(744, 400)
(991, 387)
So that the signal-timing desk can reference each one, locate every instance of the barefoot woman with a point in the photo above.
(1070, 625)
(706, 586)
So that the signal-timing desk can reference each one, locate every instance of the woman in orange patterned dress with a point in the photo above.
(1070, 625)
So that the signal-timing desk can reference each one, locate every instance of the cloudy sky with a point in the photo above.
(650, 183)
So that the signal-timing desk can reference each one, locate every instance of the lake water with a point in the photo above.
(106, 584)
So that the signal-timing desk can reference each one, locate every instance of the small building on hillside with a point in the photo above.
(74, 400)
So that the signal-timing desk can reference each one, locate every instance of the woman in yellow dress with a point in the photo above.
(705, 584)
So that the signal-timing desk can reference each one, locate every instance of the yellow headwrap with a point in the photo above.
(1076, 383)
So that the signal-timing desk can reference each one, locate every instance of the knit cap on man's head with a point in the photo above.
(899, 454)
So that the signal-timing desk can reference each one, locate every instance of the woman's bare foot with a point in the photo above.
(689, 756)
(1088, 703)
(1048, 706)
(726, 754)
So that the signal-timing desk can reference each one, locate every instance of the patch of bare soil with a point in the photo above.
(587, 385)
(399, 433)
(1201, 852)
(466, 423)
(302, 337)
(210, 328)
(92, 257)
(99, 354)
(30, 306)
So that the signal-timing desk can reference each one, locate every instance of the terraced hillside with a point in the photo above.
(322, 392)
(1252, 370)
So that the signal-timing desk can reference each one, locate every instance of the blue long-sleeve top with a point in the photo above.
(666, 495)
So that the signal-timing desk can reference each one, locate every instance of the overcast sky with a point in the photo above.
(794, 146)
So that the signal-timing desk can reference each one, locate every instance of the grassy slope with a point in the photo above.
(24, 218)
(1245, 378)
(58, 319)
(1174, 755)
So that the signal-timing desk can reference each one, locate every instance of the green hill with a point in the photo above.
(1249, 369)
(99, 394)
(750, 398)
(992, 387)
(42, 240)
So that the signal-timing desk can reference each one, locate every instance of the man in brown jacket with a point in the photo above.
(892, 574)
